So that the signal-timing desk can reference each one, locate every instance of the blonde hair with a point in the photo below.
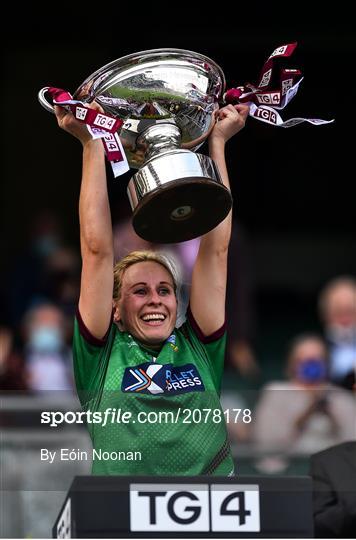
(141, 256)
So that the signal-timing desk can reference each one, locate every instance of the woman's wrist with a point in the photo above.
(216, 147)
(92, 145)
(217, 140)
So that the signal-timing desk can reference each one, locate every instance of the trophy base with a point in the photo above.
(177, 196)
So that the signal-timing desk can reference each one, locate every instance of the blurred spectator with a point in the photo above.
(234, 406)
(26, 278)
(47, 270)
(62, 282)
(306, 413)
(334, 491)
(12, 374)
(48, 358)
(240, 308)
(337, 308)
(126, 239)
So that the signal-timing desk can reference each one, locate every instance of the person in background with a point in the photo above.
(48, 359)
(241, 308)
(333, 472)
(52, 273)
(306, 413)
(44, 236)
(337, 309)
(12, 372)
(62, 283)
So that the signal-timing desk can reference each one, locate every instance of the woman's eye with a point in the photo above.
(164, 291)
(140, 291)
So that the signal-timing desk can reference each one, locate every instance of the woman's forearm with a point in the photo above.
(219, 237)
(94, 208)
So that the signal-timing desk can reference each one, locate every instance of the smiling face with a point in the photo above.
(147, 307)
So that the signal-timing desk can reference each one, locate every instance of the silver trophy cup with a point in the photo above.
(167, 99)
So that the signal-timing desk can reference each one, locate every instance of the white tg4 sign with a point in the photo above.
(194, 507)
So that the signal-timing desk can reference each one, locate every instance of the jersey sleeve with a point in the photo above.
(212, 347)
(90, 357)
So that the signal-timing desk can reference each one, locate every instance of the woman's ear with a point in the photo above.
(116, 311)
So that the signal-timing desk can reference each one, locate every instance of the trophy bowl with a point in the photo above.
(167, 99)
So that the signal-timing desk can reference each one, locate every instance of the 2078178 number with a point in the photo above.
(197, 416)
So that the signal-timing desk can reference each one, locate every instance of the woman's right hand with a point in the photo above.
(69, 123)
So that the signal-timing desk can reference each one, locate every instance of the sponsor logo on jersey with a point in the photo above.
(152, 378)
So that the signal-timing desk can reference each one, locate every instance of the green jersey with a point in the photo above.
(163, 413)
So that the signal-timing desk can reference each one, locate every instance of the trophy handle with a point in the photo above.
(43, 101)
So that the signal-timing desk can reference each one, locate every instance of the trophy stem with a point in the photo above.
(158, 139)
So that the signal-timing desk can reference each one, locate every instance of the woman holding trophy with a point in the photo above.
(152, 389)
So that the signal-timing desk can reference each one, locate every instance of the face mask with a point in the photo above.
(311, 370)
(46, 339)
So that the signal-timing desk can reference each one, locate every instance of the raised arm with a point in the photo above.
(207, 299)
(96, 289)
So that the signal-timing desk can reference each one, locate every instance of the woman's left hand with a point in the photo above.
(229, 121)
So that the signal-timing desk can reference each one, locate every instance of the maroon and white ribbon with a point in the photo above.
(265, 101)
(100, 126)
